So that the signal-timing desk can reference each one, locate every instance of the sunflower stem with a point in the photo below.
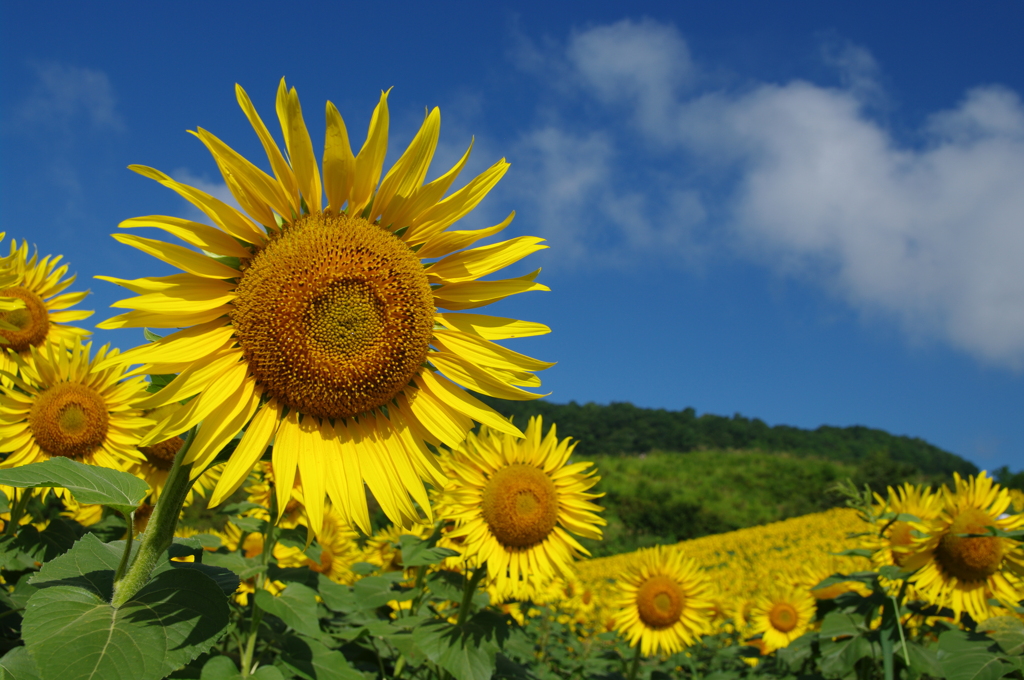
(126, 556)
(635, 666)
(18, 511)
(269, 541)
(467, 593)
(160, 531)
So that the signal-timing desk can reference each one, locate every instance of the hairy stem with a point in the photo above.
(160, 531)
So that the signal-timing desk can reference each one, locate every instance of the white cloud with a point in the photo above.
(63, 94)
(930, 234)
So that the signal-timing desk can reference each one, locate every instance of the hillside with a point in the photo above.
(621, 428)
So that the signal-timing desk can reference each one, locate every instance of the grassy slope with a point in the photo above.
(667, 496)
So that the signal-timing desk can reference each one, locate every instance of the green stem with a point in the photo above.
(636, 662)
(269, 541)
(130, 519)
(467, 593)
(18, 511)
(160, 531)
(421, 575)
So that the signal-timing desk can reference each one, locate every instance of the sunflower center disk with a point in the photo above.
(900, 540)
(520, 505)
(783, 617)
(161, 455)
(334, 316)
(970, 559)
(659, 601)
(69, 420)
(32, 321)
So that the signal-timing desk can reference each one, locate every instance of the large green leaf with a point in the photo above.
(313, 661)
(296, 606)
(1007, 631)
(417, 552)
(969, 656)
(89, 484)
(223, 668)
(467, 651)
(18, 665)
(73, 633)
(90, 564)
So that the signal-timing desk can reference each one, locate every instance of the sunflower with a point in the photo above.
(382, 549)
(63, 404)
(338, 551)
(965, 572)
(517, 503)
(260, 487)
(663, 601)
(33, 310)
(318, 320)
(157, 458)
(781, 616)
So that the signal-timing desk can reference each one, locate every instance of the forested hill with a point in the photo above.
(621, 428)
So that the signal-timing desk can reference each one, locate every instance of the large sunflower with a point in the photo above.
(781, 616)
(664, 601)
(32, 309)
(964, 572)
(517, 504)
(63, 404)
(318, 320)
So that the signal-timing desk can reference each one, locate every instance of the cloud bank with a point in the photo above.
(797, 176)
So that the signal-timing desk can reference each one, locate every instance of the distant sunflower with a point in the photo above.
(965, 572)
(663, 602)
(32, 310)
(318, 320)
(63, 404)
(517, 504)
(892, 541)
(337, 547)
(782, 616)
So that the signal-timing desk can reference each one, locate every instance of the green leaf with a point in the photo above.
(89, 564)
(922, 659)
(89, 484)
(1007, 631)
(5, 505)
(296, 606)
(447, 585)
(17, 664)
(244, 567)
(416, 552)
(223, 668)
(839, 658)
(311, 660)
(336, 597)
(969, 656)
(372, 592)
(838, 624)
(72, 633)
(799, 650)
(467, 651)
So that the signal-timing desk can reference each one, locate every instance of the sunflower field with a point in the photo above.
(292, 477)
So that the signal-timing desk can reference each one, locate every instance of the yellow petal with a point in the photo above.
(227, 388)
(339, 162)
(443, 390)
(408, 173)
(160, 320)
(492, 327)
(472, 264)
(437, 218)
(472, 294)
(446, 424)
(192, 233)
(450, 241)
(300, 147)
(351, 478)
(312, 468)
(223, 423)
(286, 459)
(180, 257)
(192, 380)
(401, 213)
(188, 345)
(284, 174)
(370, 160)
(250, 449)
(477, 378)
(487, 353)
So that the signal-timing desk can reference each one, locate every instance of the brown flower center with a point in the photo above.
(334, 316)
(520, 505)
(161, 455)
(783, 617)
(32, 322)
(659, 601)
(69, 420)
(970, 558)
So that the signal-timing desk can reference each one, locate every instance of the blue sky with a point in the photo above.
(811, 213)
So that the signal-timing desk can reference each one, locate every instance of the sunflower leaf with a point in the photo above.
(73, 633)
(296, 606)
(89, 484)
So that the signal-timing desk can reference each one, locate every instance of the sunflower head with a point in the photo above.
(664, 601)
(312, 318)
(782, 615)
(517, 502)
(70, 408)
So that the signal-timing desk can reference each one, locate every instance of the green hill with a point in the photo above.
(621, 428)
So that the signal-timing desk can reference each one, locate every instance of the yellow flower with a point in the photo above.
(964, 572)
(338, 551)
(317, 320)
(157, 458)
(893, 544)
(663, 601)
(63, 404)
(782, 616)
(517, 504)
(34, 312)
